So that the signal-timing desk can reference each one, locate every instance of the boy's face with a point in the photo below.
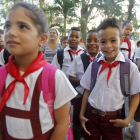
(64, 44)
(109, 41)
(74, 38)
(92, 43)
(1, 41)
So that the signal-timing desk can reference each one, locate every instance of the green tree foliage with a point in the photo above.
(65, 7)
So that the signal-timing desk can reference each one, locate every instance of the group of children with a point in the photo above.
(35, 94)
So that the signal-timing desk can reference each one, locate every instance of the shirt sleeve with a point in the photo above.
(134, 79)
(55, 62)
(2, 62)
(86, 79)
(72, 70)
(137, 54)
(63, 89)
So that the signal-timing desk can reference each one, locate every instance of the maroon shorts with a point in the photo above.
(100, 126)
(139, 105)
(77, 107)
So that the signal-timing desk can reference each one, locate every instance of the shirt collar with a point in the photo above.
(91, 56)
(119, 57)
(68, 48)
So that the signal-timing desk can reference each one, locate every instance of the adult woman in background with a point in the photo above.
(52, 45)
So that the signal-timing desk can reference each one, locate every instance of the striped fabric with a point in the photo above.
(48, 53)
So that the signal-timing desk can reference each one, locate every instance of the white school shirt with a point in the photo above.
(133, 48)
(21, 128)
(66, 58)
(137, 55)
(76, 69)
(2, 62)
(112, 98)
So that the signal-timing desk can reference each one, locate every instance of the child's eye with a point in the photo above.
(7, 26)
(23, 27)
(95, 40)
(102, 42)
(113, 40)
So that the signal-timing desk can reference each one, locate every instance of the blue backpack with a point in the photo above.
(124, 82)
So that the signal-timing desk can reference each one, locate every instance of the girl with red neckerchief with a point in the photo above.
(24, 114)
(128, 47)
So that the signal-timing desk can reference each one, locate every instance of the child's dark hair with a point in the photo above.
(110, 22)
(37, 15)
(125, 23)
(138, 43)
(75, 29)
(90, 32)
(1, 31)
(63, 38)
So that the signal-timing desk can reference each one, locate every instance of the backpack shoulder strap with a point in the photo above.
(125, 85)
(6, 55)
(99, 55)
(48, 87)
(94, 72)
(85, 60)
(60, 55)
(3, 75)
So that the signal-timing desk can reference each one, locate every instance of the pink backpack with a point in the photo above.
(48, 86)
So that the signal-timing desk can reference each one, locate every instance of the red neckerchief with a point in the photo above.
(129, 47)
(13, 69)
(75, 52)
(104, 65)
(90, 58)
(0, 49)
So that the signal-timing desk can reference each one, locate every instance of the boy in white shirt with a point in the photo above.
(71, 51)
(76, 71)
(105, 101)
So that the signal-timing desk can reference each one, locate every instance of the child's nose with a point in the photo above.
(12, 32)
(108, 44)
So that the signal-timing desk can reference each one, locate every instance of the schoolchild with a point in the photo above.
(76, 71)
(64, 41)
(24, 112)
(138, 44)
(105, 100)
(128, 47)
(134, 130)
(1, 40)
(70, 52)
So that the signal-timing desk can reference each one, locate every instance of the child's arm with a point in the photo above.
(83, 109)
(74, 81)
(62, 123)
(133, 106)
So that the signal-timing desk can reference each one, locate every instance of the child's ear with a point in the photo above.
(121, 40)
(81, 40)
(43, 39)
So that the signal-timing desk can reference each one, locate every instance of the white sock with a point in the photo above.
(137, 129)
(132, 126)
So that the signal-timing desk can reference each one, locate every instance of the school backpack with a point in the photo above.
(86, 61)
(48, 86)
(124, 82)
(60, 56)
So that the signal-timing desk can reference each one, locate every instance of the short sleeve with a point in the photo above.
(2, 62)
(63, 89)
(55, 62)
(86, 79)
(72, 70)
(134, 79)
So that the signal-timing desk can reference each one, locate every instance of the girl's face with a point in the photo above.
(127, 30)
(20, 34)
(53, 34)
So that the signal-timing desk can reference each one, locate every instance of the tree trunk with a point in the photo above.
(65, 22)
(131, 6)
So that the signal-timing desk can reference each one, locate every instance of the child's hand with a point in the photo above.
(83, 121)
(120, 122)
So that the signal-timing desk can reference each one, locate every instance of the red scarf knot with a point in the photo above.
(13, 69)
(90, 58)
(75, 52)
(104, 65)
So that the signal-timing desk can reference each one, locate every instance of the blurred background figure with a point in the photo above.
(64, 41)
(52, 45)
